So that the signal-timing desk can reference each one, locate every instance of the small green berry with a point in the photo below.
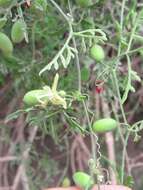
(31, 98)
(18, 30)
(82, 179)
(6, 45)
(104, 125)
(97, 53)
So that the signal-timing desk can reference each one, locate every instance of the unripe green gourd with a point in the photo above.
(84, 3)
(17, 31)
(82, 179)
(6, 45)
(31, 97)
(104, 125)
(97, 53)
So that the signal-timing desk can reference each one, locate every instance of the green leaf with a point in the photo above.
(129, 181)
(17, 113)
(74, 124)
(136, 127)
(128, 85)
(13, 115)
(135, 76)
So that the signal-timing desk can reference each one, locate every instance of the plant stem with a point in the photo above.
(60, 10)
(109, 139)
(121, 101)
(93, 143)
(131, 51)
(91, 131)
(119, 96)
(125, 121)
(123, 157)
(121, 25)
(69, 20)
(76, 53)
(77, 64)
(122, 14)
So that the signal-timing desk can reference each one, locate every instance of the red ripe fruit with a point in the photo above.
(99, 89)
(99, 86)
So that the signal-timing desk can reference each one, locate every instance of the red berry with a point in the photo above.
(99, 89)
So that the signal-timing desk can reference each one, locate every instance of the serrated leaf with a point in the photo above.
(128, 86)
(136, 127)
(63, 61)
(68, 56)
(47, 67)
(73, 50)
(56, 65)
(83, 44)
(132, 89)
(135, 76)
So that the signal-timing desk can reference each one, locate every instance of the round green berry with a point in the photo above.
(97, 53)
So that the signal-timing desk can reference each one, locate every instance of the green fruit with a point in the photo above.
(82, 180)
(104, 125)
(6, 45)
(84, 3)
(97, 53)
(18, 30)
(3, 21)
(31, 98)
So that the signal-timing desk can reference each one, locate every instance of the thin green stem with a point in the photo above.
(131, 52)
(122, 100)
(60, 10)
(78, 65)
(121, 25)
(91, 131)
(124, 153)
(84, 105)
(76, 53)
(119, 96)
(123, 157)
(132, 35)
(33, 40)
(122, 14)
